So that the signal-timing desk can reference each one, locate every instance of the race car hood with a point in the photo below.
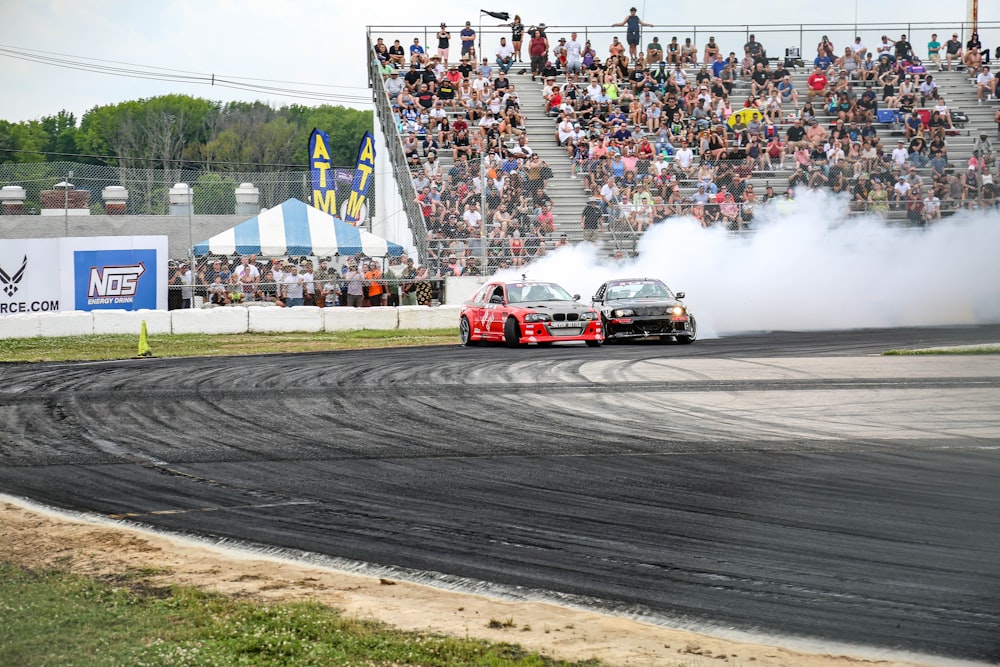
(640, 303)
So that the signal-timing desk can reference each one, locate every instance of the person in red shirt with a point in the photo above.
(554, 102)
(538, 47)
(817, 83)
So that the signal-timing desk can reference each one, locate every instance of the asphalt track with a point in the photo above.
(788, 483)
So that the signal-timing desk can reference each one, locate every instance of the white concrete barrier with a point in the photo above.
(130, 321)
(354, 319)
(300, 318)
(67, 323)
(422, 317)
(227, 320)
(20, 326)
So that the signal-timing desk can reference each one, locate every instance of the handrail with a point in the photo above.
(804, 33)
(394, 143)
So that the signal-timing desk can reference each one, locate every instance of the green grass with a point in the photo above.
(104, 347)
(53, 617)
(959, 349)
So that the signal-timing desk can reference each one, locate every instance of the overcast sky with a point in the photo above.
(310, 47)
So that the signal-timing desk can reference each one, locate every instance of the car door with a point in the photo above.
(474, 309)
(495, 310)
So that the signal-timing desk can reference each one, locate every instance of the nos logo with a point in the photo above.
(114, 280)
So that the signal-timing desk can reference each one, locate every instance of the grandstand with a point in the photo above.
(528, 206)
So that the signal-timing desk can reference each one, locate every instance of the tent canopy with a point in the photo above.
(295, 228)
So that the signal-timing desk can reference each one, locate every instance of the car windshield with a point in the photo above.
(637, 289)
(524, 292)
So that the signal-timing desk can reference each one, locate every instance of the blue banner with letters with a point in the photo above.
(114, 279)
(324, 192)
(362, 178)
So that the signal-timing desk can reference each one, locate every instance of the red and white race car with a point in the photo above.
(519, 313)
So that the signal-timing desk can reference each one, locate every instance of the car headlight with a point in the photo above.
(588, 316)
(536, 317)
(677, 310)
(623, 312)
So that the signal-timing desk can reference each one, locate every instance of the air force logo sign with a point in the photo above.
(10, 282)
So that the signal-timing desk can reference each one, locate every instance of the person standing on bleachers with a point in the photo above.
(444, 42)
(633, 31)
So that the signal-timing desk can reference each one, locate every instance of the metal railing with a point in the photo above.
(394, 144)
(775, 37)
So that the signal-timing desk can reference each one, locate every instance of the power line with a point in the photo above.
(149, 72)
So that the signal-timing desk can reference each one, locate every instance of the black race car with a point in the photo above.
(643, 308)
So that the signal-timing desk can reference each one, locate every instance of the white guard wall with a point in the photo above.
(389, 220)
(228, 320)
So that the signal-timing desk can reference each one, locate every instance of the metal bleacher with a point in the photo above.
(567, 192)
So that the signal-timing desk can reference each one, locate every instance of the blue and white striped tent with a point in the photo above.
(296, 228)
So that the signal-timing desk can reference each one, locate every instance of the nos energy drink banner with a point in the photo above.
(112, 279)
(362, 179)
(89, 273)
(324, 196)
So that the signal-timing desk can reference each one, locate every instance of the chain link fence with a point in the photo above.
(326, 282)
(148, 189)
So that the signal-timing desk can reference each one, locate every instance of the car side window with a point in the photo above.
(497, 295)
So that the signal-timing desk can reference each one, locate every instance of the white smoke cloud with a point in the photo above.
(808, 266)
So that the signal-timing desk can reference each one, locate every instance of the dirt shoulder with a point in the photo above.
(37, 538)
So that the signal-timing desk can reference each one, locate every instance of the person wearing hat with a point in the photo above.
(444, 43)
(407, 288)
(983, 148)
(413, 78)
(394, 85)
(468, 37)
(633, 31)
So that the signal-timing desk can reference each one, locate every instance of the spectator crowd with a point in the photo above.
(358, 282)
(674, 129)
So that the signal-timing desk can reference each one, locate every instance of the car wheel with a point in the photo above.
(608, 338)
(511, 333)
(593, 343)
(465, 332)
(692, 336)
(666, 339)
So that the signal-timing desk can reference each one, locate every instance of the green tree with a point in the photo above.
(345, 127)
(61, 136)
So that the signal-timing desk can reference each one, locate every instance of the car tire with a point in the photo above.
(687, 340)
(511, 333)
(593, 343)
(608, 339)
(465, 333)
